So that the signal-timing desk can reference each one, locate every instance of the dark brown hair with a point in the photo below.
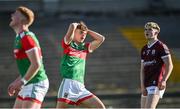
(27, 13)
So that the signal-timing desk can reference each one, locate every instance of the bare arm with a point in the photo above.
(98, 40)
(70, 33)
(35, 60)
(168, 69)
(142, 77)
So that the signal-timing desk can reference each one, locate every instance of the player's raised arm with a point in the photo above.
(70, 33)
(98, 40)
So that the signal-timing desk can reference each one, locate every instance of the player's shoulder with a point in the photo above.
(144, 47)
(26, 33)
(161, 44)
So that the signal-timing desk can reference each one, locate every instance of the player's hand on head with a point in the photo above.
(75, 24)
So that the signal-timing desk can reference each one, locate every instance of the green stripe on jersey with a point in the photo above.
(73, 68)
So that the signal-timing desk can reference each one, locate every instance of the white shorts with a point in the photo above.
(73, 92)
(155, 90)
(34, 91)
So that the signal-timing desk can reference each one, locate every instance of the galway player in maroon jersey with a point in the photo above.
(156, 67)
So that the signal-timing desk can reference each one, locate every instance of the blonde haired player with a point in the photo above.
(32, 84)
(72, 91)
(156, 67)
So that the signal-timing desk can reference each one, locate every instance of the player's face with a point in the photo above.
(80, 35)
(150, 33)
(16, 19)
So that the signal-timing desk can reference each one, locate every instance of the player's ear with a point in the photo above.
(24, 20)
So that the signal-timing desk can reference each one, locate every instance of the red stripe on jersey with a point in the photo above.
(73, 52)
(68, 50)
(28, 43)
(21, 54)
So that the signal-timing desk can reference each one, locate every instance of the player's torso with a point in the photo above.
(22, 59)
(153, 64)
(73, 61)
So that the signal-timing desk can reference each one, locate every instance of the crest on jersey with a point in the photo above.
(144, 53)
(153, 52)
(148, 52)
(65, 95)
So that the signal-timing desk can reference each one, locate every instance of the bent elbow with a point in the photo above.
(103, 39)
(172, 66)
(37, 65)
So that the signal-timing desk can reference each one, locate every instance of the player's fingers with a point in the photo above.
(161, 87)
(11, 92)
(145, 93)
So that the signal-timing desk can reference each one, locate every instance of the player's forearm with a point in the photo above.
(168, 67)
(142, 79)
(70, 33)
(18, 78)
(32, 71)
(168, 71)
(142, 76)
(96, 36)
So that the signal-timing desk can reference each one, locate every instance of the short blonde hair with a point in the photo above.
(152, 25)
(27, 13)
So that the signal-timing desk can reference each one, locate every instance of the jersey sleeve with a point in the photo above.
(28, 43)
(63, 44)
(164, 51)
(88, 47)
(142, 57)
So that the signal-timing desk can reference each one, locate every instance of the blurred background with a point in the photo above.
(112, 71)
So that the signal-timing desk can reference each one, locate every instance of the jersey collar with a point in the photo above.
(150, 45)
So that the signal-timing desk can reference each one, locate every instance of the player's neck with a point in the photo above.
(151, 41)
(21, 29)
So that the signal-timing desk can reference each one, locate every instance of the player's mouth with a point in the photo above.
(82, 38)
(11, 18)
(147, 34)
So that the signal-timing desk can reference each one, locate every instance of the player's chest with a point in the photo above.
(150, 54)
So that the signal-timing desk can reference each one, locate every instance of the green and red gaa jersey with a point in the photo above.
(74, 60)
(24, 42)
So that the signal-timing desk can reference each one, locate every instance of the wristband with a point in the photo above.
(24, 81)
